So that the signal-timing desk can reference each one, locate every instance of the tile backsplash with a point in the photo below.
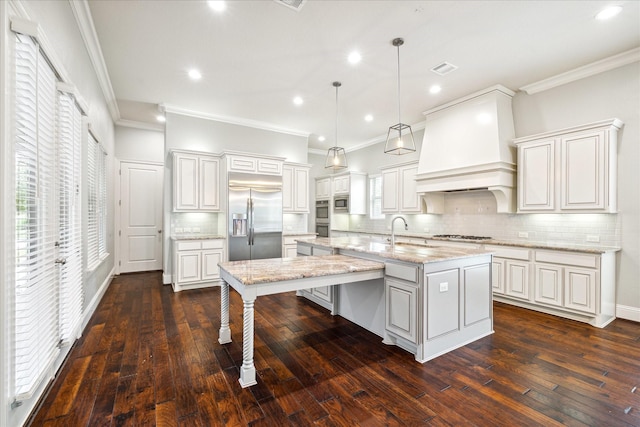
(196, 222)
(475, 214)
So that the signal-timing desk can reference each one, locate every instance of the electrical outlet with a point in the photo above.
(444, 286)
(594, 239)
(523, 234)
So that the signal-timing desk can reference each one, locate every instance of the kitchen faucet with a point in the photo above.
(393, 233)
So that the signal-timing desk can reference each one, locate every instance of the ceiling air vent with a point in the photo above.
(444, 68)
(292, 4)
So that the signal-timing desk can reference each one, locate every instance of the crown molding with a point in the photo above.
(84, 20)
(140, 125)
(597, 67)
(232, 120)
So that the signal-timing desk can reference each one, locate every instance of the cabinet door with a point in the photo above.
(287, 189)
(185, 185)
(301, 190)
(272, 167)
(497, 275)
(324, 293)
(209, 173)
(243, 164)
(517, 274)
(290, 251)
(583, 171)
(401, 306)
(409, 200)
(390, 191)
(323, 188)
(580, 289)
(536, 176)
(210, 260)
(189, 266)
(341, 185)
(548, 284)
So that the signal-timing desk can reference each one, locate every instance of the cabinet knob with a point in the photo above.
(159, 231)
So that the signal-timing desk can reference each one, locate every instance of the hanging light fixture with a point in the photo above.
(400, 136)
(336, 156)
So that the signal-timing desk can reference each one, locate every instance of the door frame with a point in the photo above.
(117, 201)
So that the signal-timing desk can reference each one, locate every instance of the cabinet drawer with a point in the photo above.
(304, 250)
(509, 252)
(189, 245)
(213, 244)
(404, 272)
(569, 258)
(322, 251)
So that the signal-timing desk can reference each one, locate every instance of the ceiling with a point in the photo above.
(256, 56)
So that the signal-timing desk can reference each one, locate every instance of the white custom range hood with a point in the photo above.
(468, 146)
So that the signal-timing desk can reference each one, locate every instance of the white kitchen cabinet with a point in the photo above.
(548, 284)
(324, 296)
(254, 164)
(341, 184)
(399, 193)
(195, 263)
(290, 244)
(195, 182)
(353, 184)
(295, 188)
(323, 188)
(570, 170)
(401, 307)
(497, 275)
(510, 270)
(517, 279)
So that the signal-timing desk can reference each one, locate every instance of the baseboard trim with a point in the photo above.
(628, 313)
(166, 278)
(91, 308)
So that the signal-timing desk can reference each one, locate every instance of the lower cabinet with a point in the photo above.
(195, 263)
(324, 296)
(290, 244)
(401, 308)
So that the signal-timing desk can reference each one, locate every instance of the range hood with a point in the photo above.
(467, 146)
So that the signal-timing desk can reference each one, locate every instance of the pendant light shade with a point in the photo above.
(400, 136)
(336, 156)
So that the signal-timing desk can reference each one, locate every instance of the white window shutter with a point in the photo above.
(36, 298)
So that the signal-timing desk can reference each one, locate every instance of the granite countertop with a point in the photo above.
(560, 246)
(196, 236)
(299, 233)
(271, 270)
(418, 254)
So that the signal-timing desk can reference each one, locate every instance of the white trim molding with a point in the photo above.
(139, 125)
(628, 313)
(597, 67)
(232, 120)
(83, 17)
(91, 307)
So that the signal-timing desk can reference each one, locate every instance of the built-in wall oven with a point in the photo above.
(322, 217)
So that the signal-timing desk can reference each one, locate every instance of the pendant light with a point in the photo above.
(400, 136)
(336, 156)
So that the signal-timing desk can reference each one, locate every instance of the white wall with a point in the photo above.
(139, 144)
(58, 23)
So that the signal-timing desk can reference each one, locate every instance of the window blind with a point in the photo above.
(36, 297)
(68, 158)
(97, 193)
(375, 197)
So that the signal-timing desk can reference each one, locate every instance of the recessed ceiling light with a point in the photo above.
(218, 6)
(195, 74)
(161, 118)
(609, 12)
(298, 100)
(368, 118)
(354, 57)
(321, 138)
(435, 89)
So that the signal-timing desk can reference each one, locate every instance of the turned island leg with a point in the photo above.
(225, 333)
(248, 369)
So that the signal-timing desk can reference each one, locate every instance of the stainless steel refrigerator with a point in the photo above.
(255, 216)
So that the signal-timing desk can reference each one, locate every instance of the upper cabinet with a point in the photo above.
(195, 182)
(399, 193)
(353, 184)
(254, 164)
(570, 170)
(295, 188)
(323, 188)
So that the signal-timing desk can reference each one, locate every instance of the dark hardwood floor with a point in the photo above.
(151, 357)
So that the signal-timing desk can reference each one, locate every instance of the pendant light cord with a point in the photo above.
(399, 120)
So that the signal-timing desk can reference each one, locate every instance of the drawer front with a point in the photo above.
(509, 252)
(213, 244)
(304, 250)
(404, 272)
(189, 245)
(289, 240)
(569, 258)
(322, 251)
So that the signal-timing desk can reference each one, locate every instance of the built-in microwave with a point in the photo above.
(322, 210)
(341, 204)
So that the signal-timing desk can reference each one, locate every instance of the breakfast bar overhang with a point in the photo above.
(255, 278)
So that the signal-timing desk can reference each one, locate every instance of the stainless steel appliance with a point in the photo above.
(255, 216)
(341, 204)
(322, 218)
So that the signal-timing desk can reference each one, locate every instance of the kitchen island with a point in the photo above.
(427, 300)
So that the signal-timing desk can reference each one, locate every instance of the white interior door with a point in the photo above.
(140, 216)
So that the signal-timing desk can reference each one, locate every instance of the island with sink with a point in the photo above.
(425, 299)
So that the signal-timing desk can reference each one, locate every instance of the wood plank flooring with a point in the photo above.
(151, 357)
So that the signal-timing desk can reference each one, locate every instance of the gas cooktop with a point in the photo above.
(460, 236)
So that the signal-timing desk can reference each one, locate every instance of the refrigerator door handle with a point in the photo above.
(251, 222)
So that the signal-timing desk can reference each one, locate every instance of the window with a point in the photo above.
(97, 206)
(375, 197)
